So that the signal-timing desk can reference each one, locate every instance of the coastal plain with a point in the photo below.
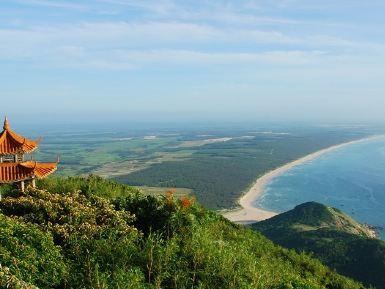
(216, 165)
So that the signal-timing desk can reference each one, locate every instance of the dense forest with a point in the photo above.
(92, 233)
(331, 236)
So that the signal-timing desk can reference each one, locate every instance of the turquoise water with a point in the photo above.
(351, 178)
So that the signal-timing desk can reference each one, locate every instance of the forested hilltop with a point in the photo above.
(333, 237)
(92, 233)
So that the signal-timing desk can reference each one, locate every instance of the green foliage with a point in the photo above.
(6, 190)
(331, 236)
(144, 242)
(29, 253)
(84, 226)
(152, 213)
(8, 280)
(92, 184)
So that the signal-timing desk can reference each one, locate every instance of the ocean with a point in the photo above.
(350, 178)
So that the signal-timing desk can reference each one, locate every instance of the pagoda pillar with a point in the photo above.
(22, 186)
(33, 183)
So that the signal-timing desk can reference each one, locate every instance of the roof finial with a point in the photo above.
(6, 123)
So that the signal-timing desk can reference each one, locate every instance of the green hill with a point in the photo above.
(331, 236)
(92, 233)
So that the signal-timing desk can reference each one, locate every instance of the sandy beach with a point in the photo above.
(248, 213)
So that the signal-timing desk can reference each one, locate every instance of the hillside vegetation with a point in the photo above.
(331, 236)
(92, 233)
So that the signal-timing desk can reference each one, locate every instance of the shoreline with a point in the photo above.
(248, 213)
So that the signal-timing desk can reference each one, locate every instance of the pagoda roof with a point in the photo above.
(12, 143)
(15, 172)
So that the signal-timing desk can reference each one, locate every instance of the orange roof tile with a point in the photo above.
(14, 172)
(12, 143)
(40, 170)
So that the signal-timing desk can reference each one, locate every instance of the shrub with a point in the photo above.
(91, 233)
(30, 254)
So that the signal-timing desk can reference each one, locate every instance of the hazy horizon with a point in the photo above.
(192, 61)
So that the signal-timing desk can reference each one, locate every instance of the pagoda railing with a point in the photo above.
(17, 158)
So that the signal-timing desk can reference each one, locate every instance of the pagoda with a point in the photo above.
(14, 169)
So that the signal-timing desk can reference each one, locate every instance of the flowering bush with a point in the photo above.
(30, 254)
(8, 280)
(187, 202)
(88, 229)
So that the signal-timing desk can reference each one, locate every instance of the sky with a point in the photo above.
(167, 60)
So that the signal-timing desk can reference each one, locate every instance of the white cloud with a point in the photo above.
(129, 45)
(178, 57)
(208, 32)
(43, 40)
(53, 4)
(158, 6)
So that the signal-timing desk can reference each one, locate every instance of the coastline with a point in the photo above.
(248, 213)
